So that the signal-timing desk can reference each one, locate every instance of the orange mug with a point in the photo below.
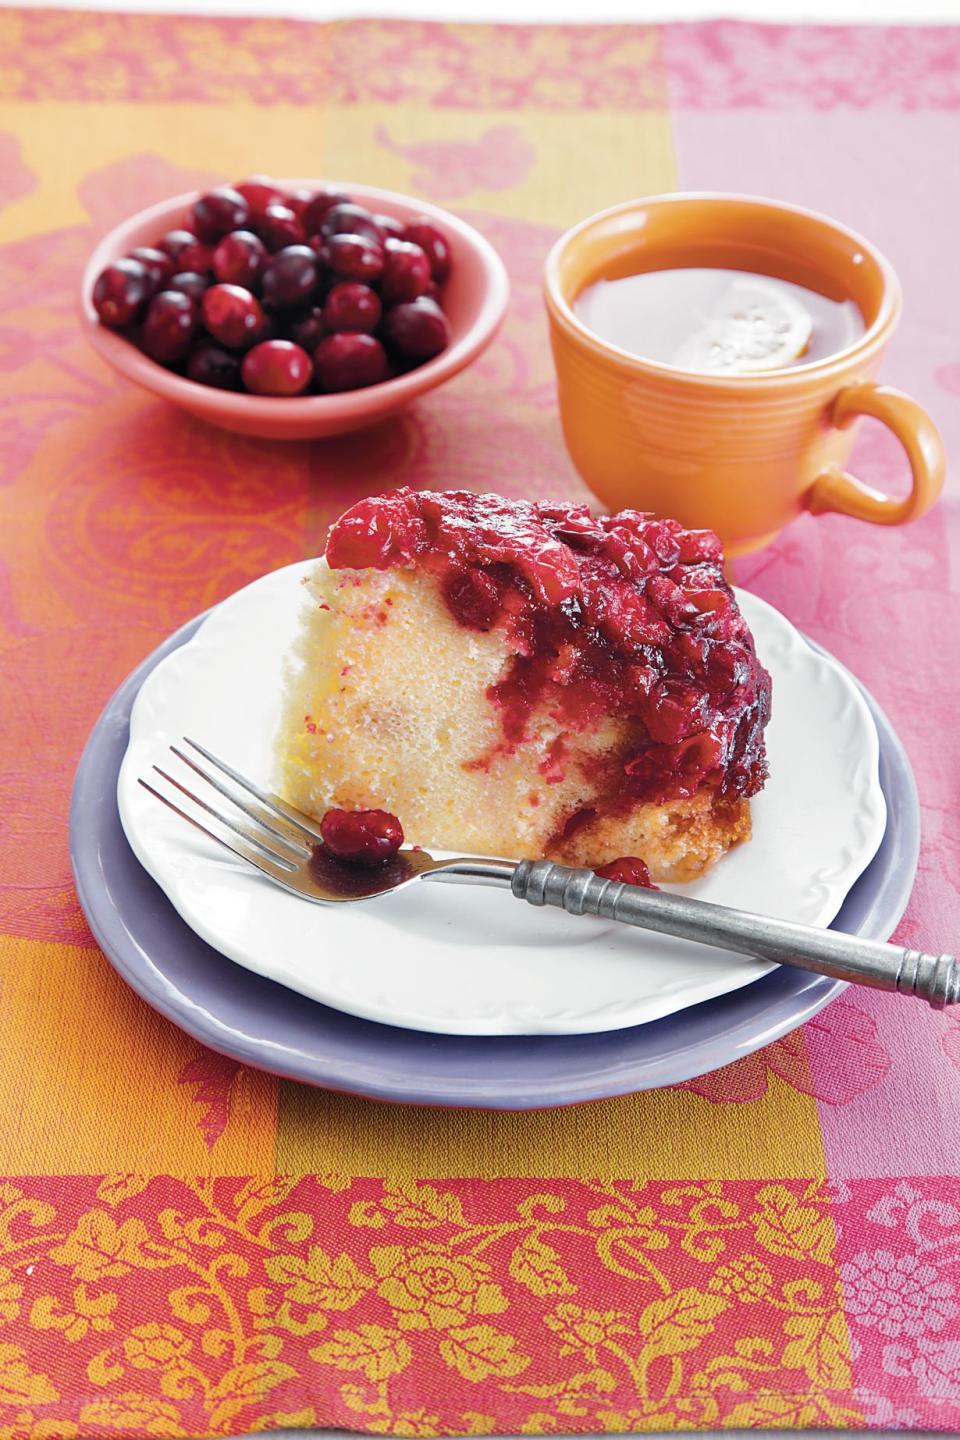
(739, 454)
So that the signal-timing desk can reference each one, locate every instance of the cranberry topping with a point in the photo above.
(629, 870)
(603, 617)
(363, 837)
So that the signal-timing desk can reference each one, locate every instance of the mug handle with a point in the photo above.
(835, 490)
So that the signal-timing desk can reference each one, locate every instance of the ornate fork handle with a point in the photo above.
(935, 978)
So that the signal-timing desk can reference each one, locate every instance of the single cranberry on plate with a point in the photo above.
(348, 219)
(434, 244)
(352, 257)
(308, 328)
(417, 330)
(349, 361)
(406, 272)
(629, 870)
(188, 282)
(289, 277)
(361, 837)
(278, 226)
(239, 258)
(171, 323)
(121, 292)
(259, 192)
(277, 367)
(157, 263)
(217, 212)
(321, 204)
(233, 316)
(352, 306)
(211, 364)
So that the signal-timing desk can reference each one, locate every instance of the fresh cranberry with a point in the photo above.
(210, 364)
(239, 258)
(406, 272)
(434, 244)
(217, 212)
(158, 264)
(392, 228)
(418, 330)
(290, 277)
(233, 316)
(350, 306)
(308, 328)
(176, 241)
(349, 361)
(321, 204)
(361, 837)
(259, 192)
(351, 257)
(188, 282)
(629, 870)
(171, 323)
(121, 292)
(278, 227)
(277, 367)
(298, 199)
(350, 219)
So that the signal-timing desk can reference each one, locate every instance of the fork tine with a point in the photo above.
(296, 846)
(283, 862)
(242, 852)
(266, 797)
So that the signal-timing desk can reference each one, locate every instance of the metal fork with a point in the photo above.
(285, 845)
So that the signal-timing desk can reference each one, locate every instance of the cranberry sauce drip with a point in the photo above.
(630, 870)
(362, 837)
(623, 615)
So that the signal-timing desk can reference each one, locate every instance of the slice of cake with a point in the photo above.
(528, 680)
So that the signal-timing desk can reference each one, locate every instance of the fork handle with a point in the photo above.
(935, 978)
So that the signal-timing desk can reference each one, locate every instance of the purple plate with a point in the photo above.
(261, 1023)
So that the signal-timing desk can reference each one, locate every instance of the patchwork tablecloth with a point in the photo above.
(188, 1247)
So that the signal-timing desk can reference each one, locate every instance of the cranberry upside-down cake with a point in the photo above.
(526, 679)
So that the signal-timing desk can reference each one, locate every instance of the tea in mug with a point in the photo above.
(721, 322)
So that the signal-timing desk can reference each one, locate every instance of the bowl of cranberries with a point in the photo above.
(292, 309)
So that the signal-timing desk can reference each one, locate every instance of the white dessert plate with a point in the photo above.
(464, 961)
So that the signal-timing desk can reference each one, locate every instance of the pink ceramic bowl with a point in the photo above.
(474, 300)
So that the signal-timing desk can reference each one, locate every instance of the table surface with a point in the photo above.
(735, 154)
